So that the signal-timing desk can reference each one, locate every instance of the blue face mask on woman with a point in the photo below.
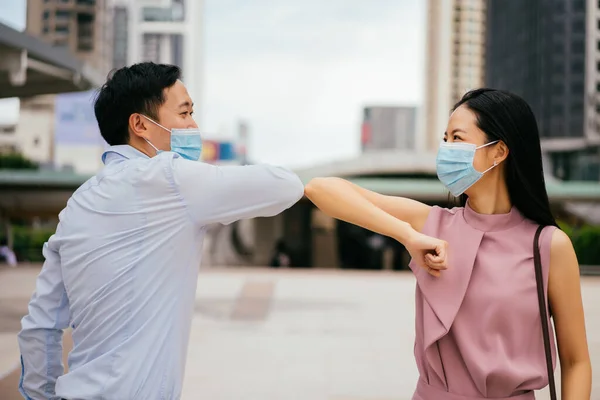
(454, 165)
(185, 142)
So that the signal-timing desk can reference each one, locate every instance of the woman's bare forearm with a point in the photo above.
(576, 381)
(338, 199)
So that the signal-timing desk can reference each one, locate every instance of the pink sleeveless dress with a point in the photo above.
(478, 330)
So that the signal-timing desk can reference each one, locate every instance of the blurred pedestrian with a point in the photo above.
(281, 256)
(7, 254)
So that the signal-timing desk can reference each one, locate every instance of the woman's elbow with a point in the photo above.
(315, 186)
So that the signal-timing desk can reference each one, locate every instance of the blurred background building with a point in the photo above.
(169, 32)
(549, 53)
(120, 34)
(84, 28)
(389, 128)
(454, 60)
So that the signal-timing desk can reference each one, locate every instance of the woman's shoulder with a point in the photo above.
(444, 212)
(439, 217)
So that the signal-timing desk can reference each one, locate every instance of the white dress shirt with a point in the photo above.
(122, 269)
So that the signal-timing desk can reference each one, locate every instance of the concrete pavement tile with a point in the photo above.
(18, 282)
(9, 385)
(9, 352)
(324, 336)
(212, 285)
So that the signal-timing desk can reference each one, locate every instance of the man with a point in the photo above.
(122, 267)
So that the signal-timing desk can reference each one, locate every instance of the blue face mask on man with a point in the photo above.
(185, 142)
(454, 165)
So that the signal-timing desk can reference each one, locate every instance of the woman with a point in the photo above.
(478, 328)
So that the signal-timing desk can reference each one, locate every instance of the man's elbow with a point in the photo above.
(281, 189)
(283, 194)
(30, 337)
(293, 191)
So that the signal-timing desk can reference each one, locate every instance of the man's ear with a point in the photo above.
(137, 125)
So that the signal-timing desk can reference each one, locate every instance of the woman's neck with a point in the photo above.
(492, 200)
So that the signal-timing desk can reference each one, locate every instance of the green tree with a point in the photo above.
(16, 161)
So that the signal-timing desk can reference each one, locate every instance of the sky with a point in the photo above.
(300, 72)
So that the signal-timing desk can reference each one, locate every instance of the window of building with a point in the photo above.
(578, 25)
(577, 66)
(557, 108)
(578, 47)
(62, 14)
(576, 119)
(61, 29)
(560, 167)
(168, 14)
(577, 89)
(556, 126)
(576, 126)
(85, 32)
(46, 15)
(558, 67)
(578, 5)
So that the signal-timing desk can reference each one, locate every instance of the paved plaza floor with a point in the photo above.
(288, 334)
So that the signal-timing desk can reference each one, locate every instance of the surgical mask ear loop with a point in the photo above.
(495, 162)
(157, 124)
(490, 168)
(153, 146)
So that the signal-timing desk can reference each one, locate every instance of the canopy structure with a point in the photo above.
(31, 67)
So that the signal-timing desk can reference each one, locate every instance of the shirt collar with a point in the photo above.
(492, 222)
(120, 152)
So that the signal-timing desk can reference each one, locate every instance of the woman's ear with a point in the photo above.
(500, 152)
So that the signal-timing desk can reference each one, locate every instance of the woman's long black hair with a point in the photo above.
(505, 116)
